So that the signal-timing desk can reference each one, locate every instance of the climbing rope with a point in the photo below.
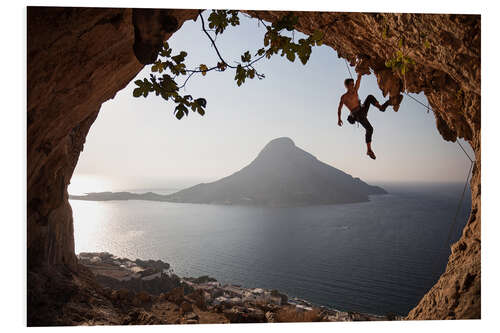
(460, 203)
(459, 206)
(419, 102)
(435, 266)
(348, 69)
(470, 159)
(453, 225)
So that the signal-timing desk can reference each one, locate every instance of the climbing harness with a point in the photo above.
(472, 162)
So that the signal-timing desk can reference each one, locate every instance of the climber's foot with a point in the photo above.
(396, 102)
(371, 154)
(384, 106)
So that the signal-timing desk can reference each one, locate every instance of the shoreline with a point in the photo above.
(155, 280)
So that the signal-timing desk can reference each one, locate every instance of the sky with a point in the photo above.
(137, 143)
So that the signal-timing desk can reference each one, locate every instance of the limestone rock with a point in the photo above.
(79, 58)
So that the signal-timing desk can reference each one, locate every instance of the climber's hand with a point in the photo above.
(340, 122)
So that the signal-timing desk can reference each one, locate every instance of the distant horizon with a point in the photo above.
(188, 183)
(138, 143)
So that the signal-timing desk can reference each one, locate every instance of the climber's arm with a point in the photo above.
(358, 82)
(341, 103)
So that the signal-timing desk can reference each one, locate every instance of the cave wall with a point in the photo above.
(446, 50)
(80, 57)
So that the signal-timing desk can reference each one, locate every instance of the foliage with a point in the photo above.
(400, 62)
(165, 85)
(168, 68)
(220, 19)
(275, 42)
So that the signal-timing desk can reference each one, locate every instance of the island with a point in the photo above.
(282, 175)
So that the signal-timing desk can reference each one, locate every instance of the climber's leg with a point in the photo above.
(370, 151)
(367, 126)
(370, 99)
(368, 135)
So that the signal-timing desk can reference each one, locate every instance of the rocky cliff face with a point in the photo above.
(80, 57)
(77, 59)
(446, 50)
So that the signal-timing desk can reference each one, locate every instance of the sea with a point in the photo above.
(375, 257)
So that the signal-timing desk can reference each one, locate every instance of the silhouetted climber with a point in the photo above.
(359, 111)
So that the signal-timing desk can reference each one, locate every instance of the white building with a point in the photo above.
(249, 297)
(220, 300)
(275, 300)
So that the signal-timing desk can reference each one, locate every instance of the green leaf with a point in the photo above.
(181, 110)
(221, 66)
(137, 92)
(203, 69)
(179, 115)
(220, 19)
(202, 102)
(180, 57)
(246, 57)
(317, 35)
(240, 75)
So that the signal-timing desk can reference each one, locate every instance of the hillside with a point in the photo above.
(281, 175)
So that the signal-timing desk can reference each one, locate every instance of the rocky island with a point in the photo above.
(281, 175)
(62, 105)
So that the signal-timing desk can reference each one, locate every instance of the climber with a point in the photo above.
(359, 111)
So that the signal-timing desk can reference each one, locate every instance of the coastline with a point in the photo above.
(153, 283)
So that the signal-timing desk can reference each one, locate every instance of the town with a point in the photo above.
(152, 284)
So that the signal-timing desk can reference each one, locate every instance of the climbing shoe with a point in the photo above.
(384, 106)
(396, 102)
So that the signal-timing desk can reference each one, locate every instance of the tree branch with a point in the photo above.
(213, 42)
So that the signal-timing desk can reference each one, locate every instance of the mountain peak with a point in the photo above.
(277, 145)
(283, 141)
(281, 175)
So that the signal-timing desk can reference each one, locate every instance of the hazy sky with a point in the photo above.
(137, 143)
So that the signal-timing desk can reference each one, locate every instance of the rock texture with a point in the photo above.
(80, 57)
(446, 50)
(77, 59)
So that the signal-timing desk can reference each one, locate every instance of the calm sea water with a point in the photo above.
(376, 257)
